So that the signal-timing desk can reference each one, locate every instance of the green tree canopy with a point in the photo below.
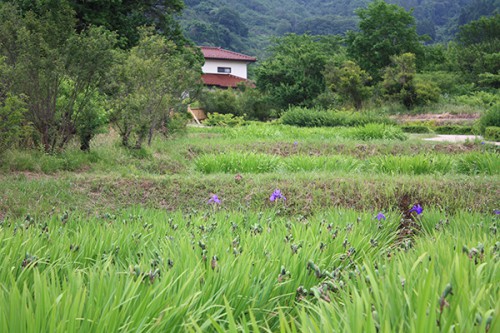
(55, 68)
(401, 85)
(151, 82)
(293, 74)
(479, 50)
(349, 81)
(120, 16)
(385, 30)
(484, 30)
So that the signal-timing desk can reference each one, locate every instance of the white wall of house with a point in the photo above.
(238, 68)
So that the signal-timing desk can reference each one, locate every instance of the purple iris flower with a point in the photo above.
(380, 216)
(496, 212)
(277, 195)
(417, 209)
(214, 199)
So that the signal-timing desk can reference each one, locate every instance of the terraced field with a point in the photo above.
(372, 230)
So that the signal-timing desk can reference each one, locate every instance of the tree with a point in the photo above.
(126, 16)
(120, 16)
(293, 74)
(231, 20)
(479, 50)
(476, 9)
(151, 82)
(12, 109)
(400, 83)
(49, 59)
(384, 31)
(349, 81)
(399, 79)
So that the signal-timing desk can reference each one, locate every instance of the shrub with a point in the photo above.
(480, 98)
(221, 102)
(303, 117)
(454, 129)
(415, 129)
(426, 93)
(11, 121)
(400, 83)
(448, 82)
(245, 101)
(174, 124)
(254, 105)
(490, 118)
(217, 119)
(492, 133)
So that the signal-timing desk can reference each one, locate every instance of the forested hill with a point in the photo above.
(246, 25)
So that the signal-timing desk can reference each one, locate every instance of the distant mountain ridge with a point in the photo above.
(247, 25)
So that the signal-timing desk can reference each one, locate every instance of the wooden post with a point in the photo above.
(192, 113)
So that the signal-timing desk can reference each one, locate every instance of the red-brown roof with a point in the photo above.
(222, 80)
(210, 52)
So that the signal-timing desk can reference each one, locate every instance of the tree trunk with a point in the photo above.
(150, 135)
(125, 137)
(85, 142)
(138, 143)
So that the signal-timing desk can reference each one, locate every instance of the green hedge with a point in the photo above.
(492, 133)
(454, 129)
(303, 117)
(416, 129)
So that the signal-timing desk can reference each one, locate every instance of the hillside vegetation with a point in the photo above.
(246, 26)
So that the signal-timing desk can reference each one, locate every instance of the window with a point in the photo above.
(226, 70)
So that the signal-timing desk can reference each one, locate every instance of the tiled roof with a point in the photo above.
(222, 80)
(210, 52)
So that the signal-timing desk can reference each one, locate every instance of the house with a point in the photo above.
(224, 68)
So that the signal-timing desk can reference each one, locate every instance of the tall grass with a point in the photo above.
(234, 162)
(145, 271)
(286, 132)
(317, 118)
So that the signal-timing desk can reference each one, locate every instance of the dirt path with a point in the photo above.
(459, 138)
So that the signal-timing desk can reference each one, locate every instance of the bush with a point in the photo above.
(490, 118)
(480, 98)
(426, 93)
(492, 133)
(221, 102)
(174, 124)
(11, 121)
(448, 82)
(415, 129)
(303, 117)
(217, 119)
(454, 129)
(254, 105)
(245, 101)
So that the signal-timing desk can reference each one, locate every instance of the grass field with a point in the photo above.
(135, 241)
